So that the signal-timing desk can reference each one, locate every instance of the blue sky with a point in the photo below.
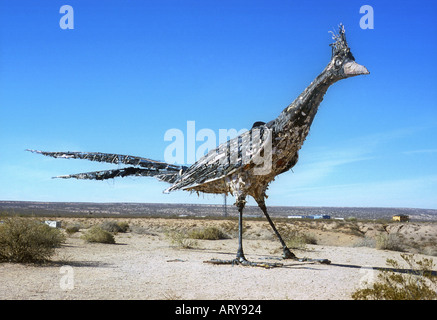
(131, 70)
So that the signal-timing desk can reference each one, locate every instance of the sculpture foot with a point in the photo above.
(287, 254)
(244, 262)
(322, 261)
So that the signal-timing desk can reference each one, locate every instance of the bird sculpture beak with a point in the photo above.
(352, 68)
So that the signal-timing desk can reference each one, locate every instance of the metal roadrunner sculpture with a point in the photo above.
(243, 166)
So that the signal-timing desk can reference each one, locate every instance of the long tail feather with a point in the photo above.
(110, 158)
(148, 168)
(130, 171)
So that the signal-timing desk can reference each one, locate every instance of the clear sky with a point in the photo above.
(130, 71)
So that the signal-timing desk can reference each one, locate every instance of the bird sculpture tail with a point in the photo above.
(138, 166)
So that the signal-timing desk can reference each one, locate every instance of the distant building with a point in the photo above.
(318, 216)
(53, 224)
(401, 218)
(321, 216)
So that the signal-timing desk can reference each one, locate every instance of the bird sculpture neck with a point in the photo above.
(299, 115)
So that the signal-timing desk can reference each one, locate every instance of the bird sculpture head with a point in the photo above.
(342, 64)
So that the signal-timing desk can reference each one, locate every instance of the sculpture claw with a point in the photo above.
(287, 254)
(244, 262)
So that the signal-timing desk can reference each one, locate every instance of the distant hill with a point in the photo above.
(199, 210)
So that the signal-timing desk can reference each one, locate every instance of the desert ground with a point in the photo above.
(145, 263)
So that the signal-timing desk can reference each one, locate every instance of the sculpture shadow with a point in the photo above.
(396, 270)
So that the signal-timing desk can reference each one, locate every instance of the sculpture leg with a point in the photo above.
(240, 258)
(241, 202)
(287, 254)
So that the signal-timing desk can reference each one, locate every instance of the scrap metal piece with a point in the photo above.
(266, 265)
(111, 158)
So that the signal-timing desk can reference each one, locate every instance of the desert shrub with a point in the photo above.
(141, 230)
(295, 239)
(70, 229)
(230, 227)
(97, 234)
(388, 242)
(208, 233)
(416, 282)
(28, 240)
(124, 226)
(180, 239)
(351, 228)
(365, 242)
(114, 226)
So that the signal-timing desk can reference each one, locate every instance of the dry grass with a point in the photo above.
(389, 242)
(180, 239)
(416, 282)
(97, 234)
(207, 233)
(28, 240)
(230, 227)
(114, 226)
(294, 238)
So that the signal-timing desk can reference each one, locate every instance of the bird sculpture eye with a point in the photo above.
(337, 63)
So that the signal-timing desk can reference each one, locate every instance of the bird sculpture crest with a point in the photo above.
(243, 166)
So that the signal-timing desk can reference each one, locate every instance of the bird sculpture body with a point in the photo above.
(243, 166)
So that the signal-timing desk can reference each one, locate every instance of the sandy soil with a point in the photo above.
(145, 265)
